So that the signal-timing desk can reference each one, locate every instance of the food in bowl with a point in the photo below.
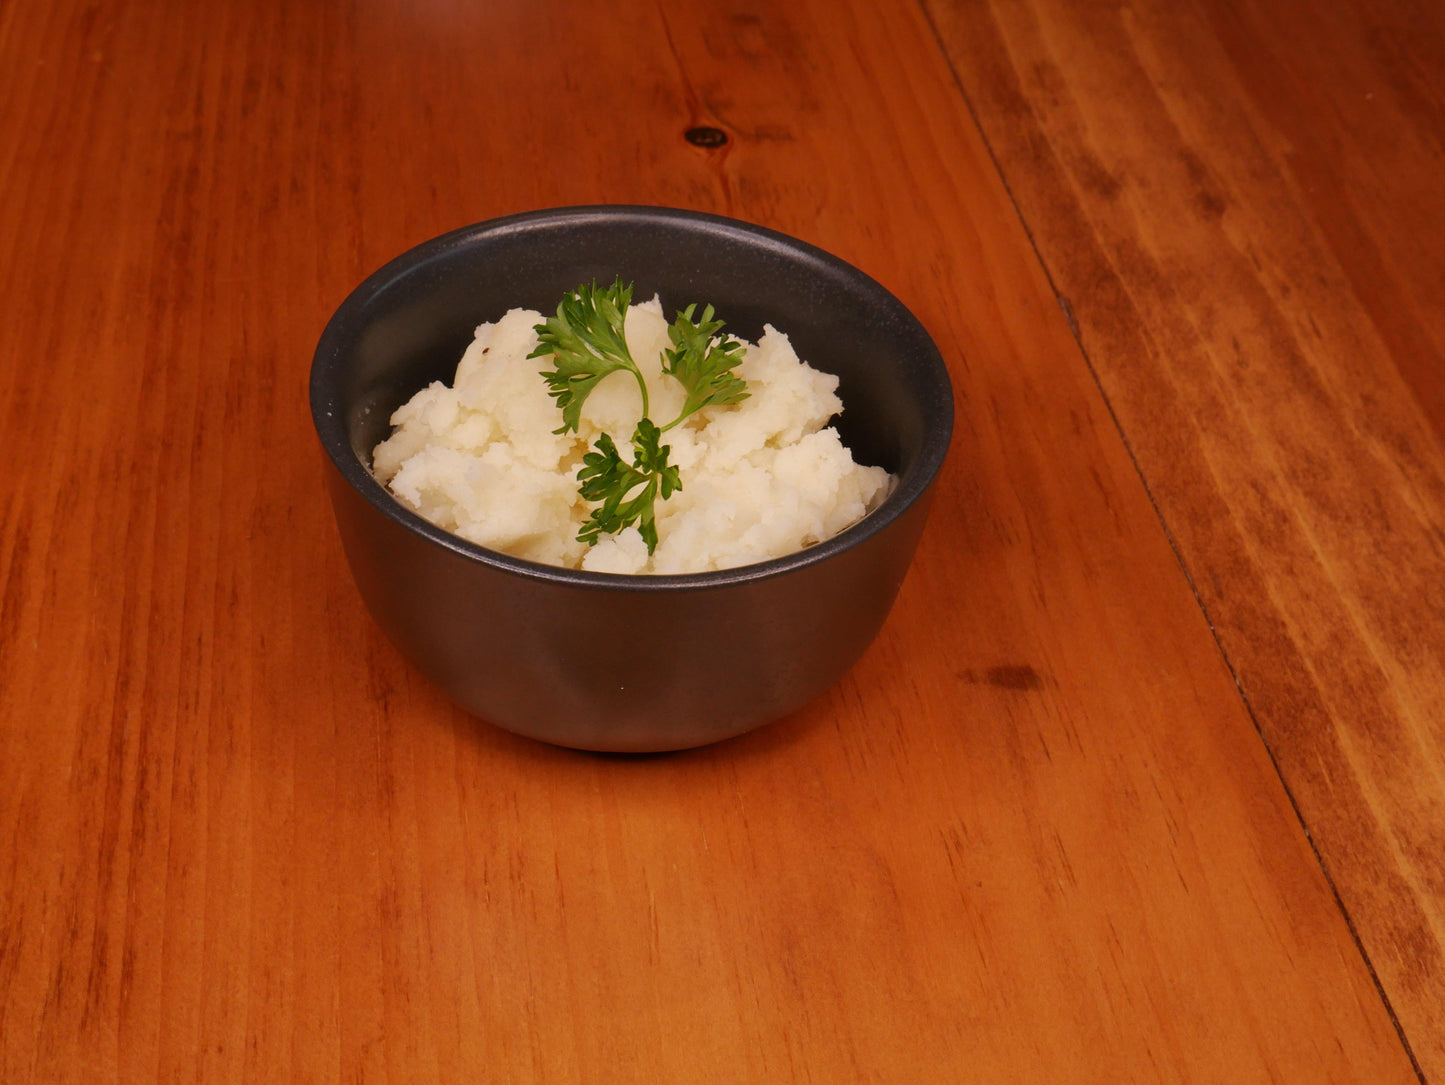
(750, 471)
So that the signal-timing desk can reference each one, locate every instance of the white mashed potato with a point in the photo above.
(760, 479)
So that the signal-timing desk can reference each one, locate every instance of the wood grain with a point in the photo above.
(1033, 835)
(1240, 205)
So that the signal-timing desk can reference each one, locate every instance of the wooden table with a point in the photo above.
(1143, 779)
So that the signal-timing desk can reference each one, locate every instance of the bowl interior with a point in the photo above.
(409, 323)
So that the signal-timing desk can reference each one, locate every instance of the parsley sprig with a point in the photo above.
(586, 343)
(704, 367)
(606, 478)
(585, 340)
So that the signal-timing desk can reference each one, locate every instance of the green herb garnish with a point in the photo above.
(586, 342)
(606, 478)
(585, 339)
(704, 368)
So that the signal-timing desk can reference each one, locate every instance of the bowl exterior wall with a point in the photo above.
(622, 670)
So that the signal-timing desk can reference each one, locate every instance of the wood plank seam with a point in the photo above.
(1066, 307)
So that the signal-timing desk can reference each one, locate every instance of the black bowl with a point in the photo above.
(603, 661)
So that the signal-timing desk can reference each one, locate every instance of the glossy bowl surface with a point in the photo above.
(602, 661)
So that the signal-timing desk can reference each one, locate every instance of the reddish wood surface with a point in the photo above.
(1241, 204)
(1034, 835)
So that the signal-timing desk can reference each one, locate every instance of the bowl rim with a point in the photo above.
(327, 415)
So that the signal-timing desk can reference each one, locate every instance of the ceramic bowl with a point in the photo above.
(603, 661)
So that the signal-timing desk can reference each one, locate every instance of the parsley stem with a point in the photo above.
(675, 421)
(642, 384)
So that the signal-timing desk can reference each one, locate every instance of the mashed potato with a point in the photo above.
(760, 479)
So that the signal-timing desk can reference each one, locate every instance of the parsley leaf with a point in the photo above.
(605, 478)
(586, 341)
(704, 368)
